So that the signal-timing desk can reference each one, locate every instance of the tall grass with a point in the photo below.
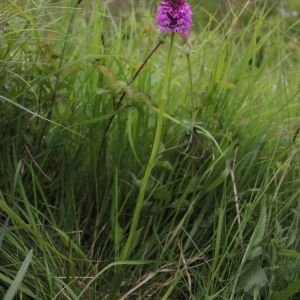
(219, 216)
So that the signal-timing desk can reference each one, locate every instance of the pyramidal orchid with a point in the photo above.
(175, 16)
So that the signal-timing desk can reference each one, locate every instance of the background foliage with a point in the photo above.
(221, 214)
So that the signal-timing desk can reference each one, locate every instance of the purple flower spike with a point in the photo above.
(174, 15)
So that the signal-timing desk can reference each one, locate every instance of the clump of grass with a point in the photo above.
(220, 216)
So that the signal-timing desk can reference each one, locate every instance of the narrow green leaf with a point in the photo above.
(117, 263)
(35, 114)
(7, 280)
(258, 234)
(290, 253)
(217, 181)
(19, 277)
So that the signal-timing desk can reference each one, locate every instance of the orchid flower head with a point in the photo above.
(175, 16)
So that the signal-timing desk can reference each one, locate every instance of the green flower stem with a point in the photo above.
(129, 245)
(191, 88)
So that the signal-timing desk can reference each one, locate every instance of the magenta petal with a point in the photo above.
(174, 15)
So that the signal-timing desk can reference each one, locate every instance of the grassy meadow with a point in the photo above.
(136, 165)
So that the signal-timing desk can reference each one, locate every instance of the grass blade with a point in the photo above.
(19, 277)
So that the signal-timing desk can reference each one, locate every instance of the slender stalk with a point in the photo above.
(193, 106)
(191, 88)
(135, 75)
(129, 245)
(159, 126)
(137, 72)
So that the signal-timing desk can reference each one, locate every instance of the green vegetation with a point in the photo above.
(220, 214)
